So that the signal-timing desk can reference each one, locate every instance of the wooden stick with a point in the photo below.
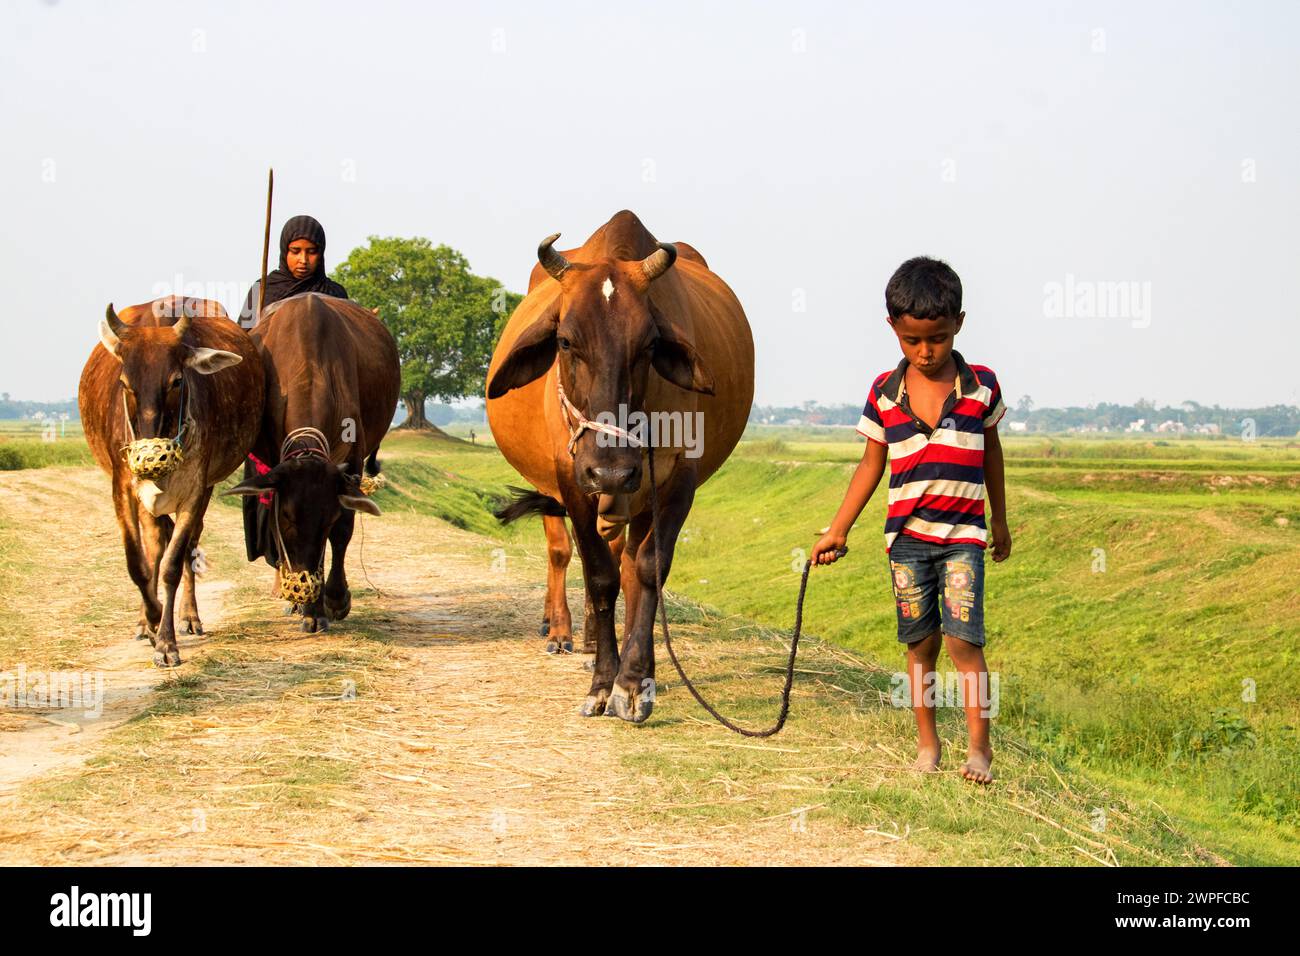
(266, 244)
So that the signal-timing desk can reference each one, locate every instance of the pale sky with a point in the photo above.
(1043, 149)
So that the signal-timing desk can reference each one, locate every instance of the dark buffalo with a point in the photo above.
(332, 381)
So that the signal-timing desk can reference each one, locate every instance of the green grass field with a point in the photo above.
(23, 444)
(1144, 630)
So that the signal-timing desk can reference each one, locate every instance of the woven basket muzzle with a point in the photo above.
(299, 587)
(151, 458)
(372, 483)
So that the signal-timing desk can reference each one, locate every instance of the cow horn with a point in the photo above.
(659, 261)
(183, 323)
(115, 325)
(551, 261)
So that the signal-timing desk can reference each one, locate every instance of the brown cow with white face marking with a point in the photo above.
(172, 375)
(621, 327)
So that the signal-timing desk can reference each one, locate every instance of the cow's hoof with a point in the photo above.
(338, 610)
(594, 705)
(544, 629)
(559, 647)
(623, 705)
(192, 625)
(167, 658)
(311, 624)
(589, 665)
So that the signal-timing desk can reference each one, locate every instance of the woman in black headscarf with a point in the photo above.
(302, 268)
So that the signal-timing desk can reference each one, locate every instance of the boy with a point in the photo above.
(936, 417)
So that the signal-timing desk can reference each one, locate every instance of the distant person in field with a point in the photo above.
(935, 418)
(302, 269)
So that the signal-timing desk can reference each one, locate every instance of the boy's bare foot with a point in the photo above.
(977, 767)
(927, 759)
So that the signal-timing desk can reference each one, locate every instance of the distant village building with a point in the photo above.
(1207, 428)
(1171, 426)
(1019, 426)
(1137, 426)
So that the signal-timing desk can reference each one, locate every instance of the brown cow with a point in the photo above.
(168, 368)
(567, 380)
(332, 380)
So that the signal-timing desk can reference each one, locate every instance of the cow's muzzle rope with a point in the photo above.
(577, 422)
(571, 415)
(668, 641)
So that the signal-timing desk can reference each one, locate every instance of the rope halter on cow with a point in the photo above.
(572, 413)
(317, 446)
(300, 587)
(152, 458)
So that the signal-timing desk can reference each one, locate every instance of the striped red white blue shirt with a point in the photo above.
(936, 475)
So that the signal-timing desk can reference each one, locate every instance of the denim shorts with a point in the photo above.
(938, 587)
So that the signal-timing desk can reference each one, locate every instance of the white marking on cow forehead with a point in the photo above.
(607, 289)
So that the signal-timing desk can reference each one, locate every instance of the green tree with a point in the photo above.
(445, 319)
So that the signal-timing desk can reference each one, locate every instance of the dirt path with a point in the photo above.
(62, 523)
(428, 727)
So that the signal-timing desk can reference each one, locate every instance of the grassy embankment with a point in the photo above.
(1145, 629)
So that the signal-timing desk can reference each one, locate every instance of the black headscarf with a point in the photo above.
(281, 283)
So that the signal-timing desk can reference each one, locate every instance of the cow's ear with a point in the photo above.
(529, 358)
(677, 361)
(206, 361)
(110, 340)
(254, 486)
(360, 503)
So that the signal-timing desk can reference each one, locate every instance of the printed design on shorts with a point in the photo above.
(906, 591)
(959, 589)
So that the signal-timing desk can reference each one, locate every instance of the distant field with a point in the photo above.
(23, 445)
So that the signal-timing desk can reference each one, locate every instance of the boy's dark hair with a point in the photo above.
(923, 288)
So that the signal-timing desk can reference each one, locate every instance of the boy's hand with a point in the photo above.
(829, 549)
(1001, 535)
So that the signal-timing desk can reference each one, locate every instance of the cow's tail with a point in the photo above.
(524, 502)
(372, 463)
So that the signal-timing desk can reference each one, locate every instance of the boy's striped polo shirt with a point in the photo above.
(936, 476)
